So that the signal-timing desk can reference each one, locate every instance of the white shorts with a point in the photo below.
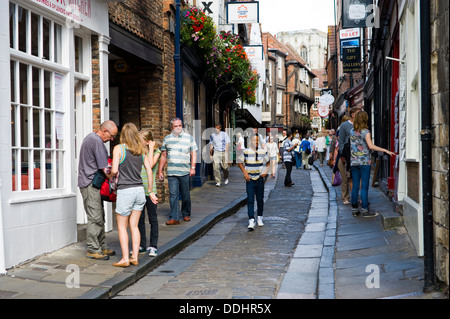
(130, 199)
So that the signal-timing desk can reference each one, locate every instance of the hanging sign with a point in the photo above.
(326, 99)
(243, 12)
(359, 14)
(351, 61)
(323, 109)
(254, 52)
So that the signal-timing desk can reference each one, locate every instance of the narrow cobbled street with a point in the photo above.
(232, 262)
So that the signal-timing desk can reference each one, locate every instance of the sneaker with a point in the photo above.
(218, 184)
(100, 256)
(141, 250)
(259, 221)
(152, 251)
(251, 224)
(226, 181)
(368, 213)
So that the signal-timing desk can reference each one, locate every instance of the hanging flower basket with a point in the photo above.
(223, 56)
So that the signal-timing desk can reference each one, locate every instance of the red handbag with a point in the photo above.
(108, 190)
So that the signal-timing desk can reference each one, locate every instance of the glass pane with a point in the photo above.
(36, 128)
(24, 121)
(35, 85)
(13, 125)
(48, 169)
(78, 54)
(59, 143)
(13, 82)
(15, 173)
(23, 69)
(47, 86)
(23, 17)
(57, 42)
(34, 34)
(12, 20)
(47, 125)
(37, 169)
(24, 170)
(59, 169)
(46, 38)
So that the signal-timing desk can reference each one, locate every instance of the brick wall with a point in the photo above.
(96, 114)
(147, 91)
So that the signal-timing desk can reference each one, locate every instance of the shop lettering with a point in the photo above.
(69, 8)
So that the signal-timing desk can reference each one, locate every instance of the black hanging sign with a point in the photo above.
(359, 14)
(351, 61)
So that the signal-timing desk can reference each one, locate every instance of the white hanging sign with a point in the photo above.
(243, 12)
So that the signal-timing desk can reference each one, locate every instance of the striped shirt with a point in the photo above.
(254, 161)
(154, 173)
(287, 155)
(178, 150)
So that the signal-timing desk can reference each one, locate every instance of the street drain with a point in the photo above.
(166, 271)
(204, 292)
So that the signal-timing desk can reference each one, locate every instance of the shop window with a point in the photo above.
(37, 111)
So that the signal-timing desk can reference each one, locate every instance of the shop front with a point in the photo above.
(53, 60)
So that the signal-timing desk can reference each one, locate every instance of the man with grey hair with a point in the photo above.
(179, 151)
(91, 172)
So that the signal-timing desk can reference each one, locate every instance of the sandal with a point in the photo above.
(134, 261)
(122, 264)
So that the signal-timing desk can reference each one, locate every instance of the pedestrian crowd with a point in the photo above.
(138, 161)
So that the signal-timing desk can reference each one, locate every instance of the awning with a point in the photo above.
(131, 44)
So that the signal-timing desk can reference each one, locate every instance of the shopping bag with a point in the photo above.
(336, 179)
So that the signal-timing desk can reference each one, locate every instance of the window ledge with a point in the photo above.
(28, 199)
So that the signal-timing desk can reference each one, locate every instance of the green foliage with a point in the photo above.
(224, 57)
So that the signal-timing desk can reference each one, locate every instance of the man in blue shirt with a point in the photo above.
(220, 142)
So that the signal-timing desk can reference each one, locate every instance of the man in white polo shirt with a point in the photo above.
(220, 142)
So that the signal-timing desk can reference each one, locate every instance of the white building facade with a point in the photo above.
(54, 70)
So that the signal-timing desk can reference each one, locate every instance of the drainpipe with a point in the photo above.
(177, 60)
(2, 245)
(426, 139)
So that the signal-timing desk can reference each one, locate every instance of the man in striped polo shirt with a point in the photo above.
(179, 151)
(254, 163)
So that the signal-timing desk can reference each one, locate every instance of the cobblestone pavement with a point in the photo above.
(231, 262)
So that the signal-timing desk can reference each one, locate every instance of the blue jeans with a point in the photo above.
(298, 160)
(360, 174)
(179, 185)
(255, 188)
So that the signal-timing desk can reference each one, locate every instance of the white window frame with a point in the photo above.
(61, 187)
(279, 102)
(304, 107)
(280, 67)
(316, 101)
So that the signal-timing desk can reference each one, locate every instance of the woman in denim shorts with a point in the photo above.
(128, 158)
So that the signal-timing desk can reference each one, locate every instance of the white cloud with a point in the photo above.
(292, 15)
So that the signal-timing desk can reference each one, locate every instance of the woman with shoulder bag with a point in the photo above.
(128, 158)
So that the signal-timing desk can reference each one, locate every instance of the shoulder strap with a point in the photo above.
(123, 154)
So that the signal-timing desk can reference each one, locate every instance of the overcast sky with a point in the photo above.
(291, 15)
